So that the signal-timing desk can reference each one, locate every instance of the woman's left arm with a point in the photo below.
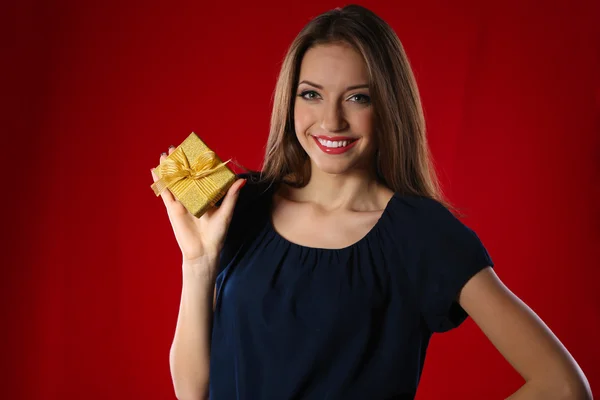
(524, 340)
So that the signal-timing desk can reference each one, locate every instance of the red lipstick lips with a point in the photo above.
(335, 150)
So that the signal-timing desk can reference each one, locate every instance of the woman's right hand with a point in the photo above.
(200, 239)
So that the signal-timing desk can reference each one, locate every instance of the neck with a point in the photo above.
(356, 190)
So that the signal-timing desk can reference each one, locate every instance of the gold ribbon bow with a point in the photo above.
(177, 167)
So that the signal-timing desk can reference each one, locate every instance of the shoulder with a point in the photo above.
(250, 212)
(421, 211)
(429, 212)
(442, 254)
(422, 205)
(429, 225)
(255, 192)
(253, 202)
(448, 241)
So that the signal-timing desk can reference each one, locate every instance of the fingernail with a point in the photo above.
(163, 153)
(243, 183)
(171, 147)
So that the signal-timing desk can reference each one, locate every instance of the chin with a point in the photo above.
(333, 167)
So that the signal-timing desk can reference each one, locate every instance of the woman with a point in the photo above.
(325, 276)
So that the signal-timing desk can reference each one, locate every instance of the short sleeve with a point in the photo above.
(451, 254)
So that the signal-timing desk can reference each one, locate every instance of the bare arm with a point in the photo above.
(524, 340)
(200, 240)
(189, 358)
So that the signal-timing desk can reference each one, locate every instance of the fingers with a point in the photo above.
(228, 203)
(230, 199)
(166, 194)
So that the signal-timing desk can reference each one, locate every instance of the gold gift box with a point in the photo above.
(195, 176)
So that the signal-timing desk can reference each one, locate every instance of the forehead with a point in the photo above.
(334, 64)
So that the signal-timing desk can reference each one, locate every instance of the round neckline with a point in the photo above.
(323, 249)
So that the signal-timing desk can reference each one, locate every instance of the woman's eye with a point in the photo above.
(361, 98)
(309, 95)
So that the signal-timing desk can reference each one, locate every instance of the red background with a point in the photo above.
(95, 92)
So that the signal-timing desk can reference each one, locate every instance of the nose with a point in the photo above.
(333, 118)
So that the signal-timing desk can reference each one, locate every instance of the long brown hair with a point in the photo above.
(403, 162)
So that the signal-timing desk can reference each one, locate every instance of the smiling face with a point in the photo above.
(333, 115)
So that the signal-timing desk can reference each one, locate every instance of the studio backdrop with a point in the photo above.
(95, 91)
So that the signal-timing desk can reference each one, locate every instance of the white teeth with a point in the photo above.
(329, 143)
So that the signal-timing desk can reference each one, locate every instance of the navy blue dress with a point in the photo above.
(296, 322)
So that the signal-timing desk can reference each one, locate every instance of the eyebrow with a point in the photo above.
(361, 86)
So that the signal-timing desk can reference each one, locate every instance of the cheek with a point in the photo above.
(362, 122)
(302, 118)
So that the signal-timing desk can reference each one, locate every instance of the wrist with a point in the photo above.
(207, 258)
(200, 270)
